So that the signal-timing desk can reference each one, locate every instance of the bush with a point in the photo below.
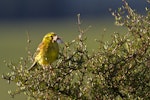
(120, 69)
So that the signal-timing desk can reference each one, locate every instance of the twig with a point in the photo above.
(79, 26)
(28, 38)
(28, 47)
(81, 31)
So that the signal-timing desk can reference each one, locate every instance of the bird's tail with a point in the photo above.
(32, 66)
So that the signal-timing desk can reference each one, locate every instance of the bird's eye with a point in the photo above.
(52, 37)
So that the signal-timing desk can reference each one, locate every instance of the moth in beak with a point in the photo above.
(57, 39)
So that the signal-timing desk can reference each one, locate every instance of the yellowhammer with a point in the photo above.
(47, 51)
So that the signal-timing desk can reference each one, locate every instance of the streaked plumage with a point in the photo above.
(47, 51)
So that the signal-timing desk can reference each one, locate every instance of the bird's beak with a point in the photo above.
(57, 39)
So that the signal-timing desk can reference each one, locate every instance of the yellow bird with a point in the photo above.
(47, 51)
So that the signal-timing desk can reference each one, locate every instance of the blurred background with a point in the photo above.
(37, 17)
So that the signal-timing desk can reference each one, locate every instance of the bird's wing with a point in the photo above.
(38, 50)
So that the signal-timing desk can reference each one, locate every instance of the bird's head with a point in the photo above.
(52, 37)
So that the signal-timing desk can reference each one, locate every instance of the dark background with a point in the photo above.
(24, 9)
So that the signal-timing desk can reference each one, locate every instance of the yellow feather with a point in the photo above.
(47, 52)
